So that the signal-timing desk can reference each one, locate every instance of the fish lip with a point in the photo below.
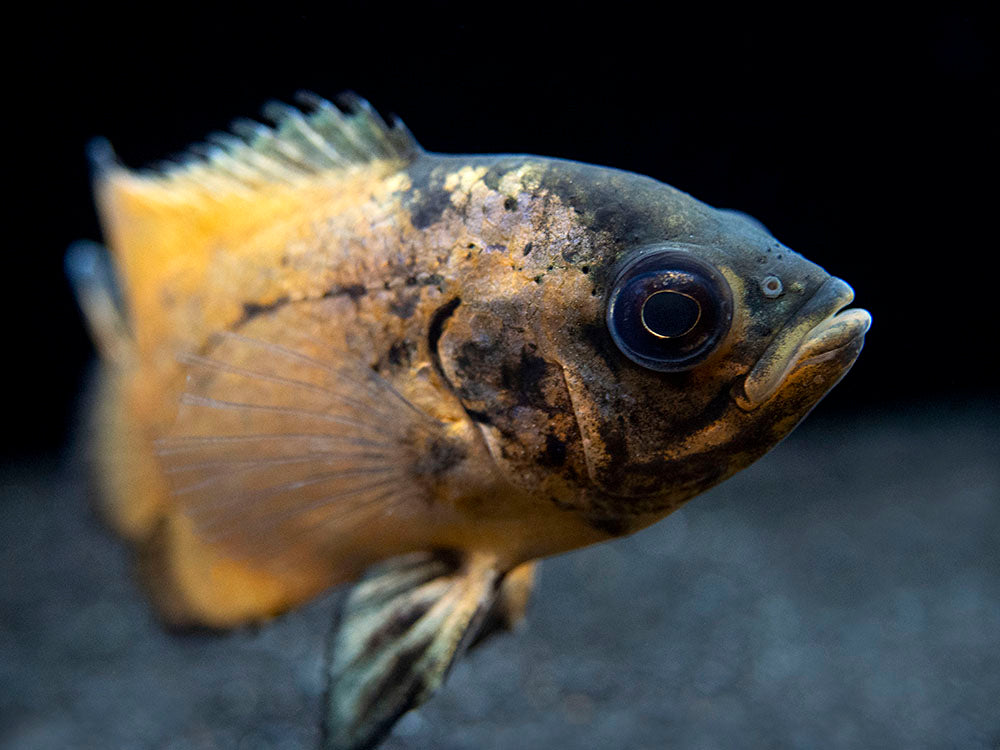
(821, 330)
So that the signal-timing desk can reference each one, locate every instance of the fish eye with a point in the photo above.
(668, 310)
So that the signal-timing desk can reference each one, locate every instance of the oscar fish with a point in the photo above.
(331, 356)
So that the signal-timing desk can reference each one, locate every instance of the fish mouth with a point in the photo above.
(821, 331)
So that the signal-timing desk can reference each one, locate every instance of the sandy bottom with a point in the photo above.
(842, 593)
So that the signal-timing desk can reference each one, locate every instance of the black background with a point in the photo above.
(861, 140)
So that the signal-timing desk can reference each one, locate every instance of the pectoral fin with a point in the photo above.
(293, 460)
(402, 628)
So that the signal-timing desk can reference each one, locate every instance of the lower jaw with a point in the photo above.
(836, 361)
(808, 383)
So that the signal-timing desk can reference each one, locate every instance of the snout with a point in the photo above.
(819, 328)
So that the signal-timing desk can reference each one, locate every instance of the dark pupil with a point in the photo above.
(670, 314)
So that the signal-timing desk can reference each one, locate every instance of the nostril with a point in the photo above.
(772, 287)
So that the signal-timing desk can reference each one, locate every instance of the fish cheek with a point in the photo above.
(651, 445)
(632, 420)
(517, 397)
(575, 334)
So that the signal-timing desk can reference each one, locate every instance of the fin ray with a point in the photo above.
(402, 628)
(284, 455)
(367, 374)
(174, 445)
(321, 138)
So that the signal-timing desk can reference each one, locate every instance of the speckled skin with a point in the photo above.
(476, 286)
(533, 247)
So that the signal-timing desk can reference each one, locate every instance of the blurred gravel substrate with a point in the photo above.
(842, 593)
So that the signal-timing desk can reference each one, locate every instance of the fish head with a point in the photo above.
(694, 343)
(633, 346)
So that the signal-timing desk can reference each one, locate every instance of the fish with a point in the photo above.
(330, 356)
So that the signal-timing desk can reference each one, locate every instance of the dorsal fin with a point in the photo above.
(319, 139)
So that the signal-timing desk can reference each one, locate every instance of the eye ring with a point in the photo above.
(668, 310)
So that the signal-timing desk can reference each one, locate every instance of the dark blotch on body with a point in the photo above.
(427, 199)
(526, 377)
(619, 204)
(405, 305)
(354, 291)
(401, 353)
(477, 364)
(433, 279)
(441, 454)
(252, 309)
(555, 451)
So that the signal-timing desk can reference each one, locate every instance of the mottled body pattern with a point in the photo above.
(398, 353)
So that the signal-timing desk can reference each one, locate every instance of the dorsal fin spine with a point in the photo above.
(324, 138)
